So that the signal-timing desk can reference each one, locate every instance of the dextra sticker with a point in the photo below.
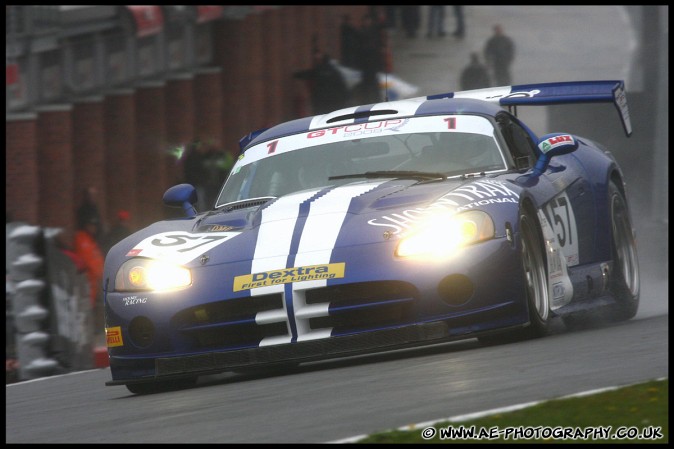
(180, 247)
(113, 336)
(288, 275)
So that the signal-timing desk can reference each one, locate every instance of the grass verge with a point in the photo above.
(633, 414)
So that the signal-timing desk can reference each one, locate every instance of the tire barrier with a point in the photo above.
(49, 322)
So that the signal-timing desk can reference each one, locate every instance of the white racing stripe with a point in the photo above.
(402, 108)
(319, 236)
(318, 239)
(273, 246)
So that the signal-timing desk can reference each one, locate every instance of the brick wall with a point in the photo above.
(88, 149)
(209, 107)
(151, 151)
(21, 173)
(230, 54)
(55, 167)
(180, 122)
(119, 120)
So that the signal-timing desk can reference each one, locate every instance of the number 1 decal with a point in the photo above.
(451, 122)
(271, 147)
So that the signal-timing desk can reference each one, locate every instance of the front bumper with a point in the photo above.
(126, 370)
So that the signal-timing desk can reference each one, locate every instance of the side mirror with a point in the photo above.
(552, 145)
(182, 195)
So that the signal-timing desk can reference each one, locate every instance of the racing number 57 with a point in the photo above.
(562, 223)
(179, 240)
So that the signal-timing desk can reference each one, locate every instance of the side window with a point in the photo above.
(522, 147)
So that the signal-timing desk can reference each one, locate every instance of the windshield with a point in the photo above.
(451, 145)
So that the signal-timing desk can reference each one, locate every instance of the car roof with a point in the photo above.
(376, 112)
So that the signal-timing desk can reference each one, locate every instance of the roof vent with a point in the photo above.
(357, 115)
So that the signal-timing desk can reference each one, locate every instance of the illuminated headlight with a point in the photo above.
(150, 274)
(441, 236)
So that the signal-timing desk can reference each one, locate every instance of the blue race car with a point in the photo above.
(377, 227)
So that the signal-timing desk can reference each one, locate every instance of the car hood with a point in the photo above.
(358, 213)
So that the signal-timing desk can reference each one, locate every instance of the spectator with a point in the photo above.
(118, 231)
(475, 75)
(88, 210)
(327, 86)
(410, 18)
(87, 249)
(194, 170)
(460, 31)
(391, 15)
(62, 244)
(217, 164)
(349, 42)
(499, 52)
(370, 61)
(436, 21)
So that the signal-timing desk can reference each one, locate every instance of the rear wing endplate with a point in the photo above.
(553, 93)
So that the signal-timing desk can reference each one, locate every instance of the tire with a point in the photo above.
(162, 386)
(534, 268)
(624, 282)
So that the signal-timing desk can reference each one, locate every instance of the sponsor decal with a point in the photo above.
(288, 275)
(218, 228)
(478, 190)
(560, 288)
(406, 219)
(359, 128)
(475, 194)
(554, 142)
(131, 300)
(113, 336)
(523, 94)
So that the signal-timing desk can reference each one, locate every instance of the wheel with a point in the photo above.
(161, 386)
(534, 267)
(624, 281)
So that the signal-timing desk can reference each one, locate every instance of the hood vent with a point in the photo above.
(254, 202)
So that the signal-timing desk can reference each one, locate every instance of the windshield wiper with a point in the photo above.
(423, 175)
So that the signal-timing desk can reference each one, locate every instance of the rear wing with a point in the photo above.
(552, 93)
